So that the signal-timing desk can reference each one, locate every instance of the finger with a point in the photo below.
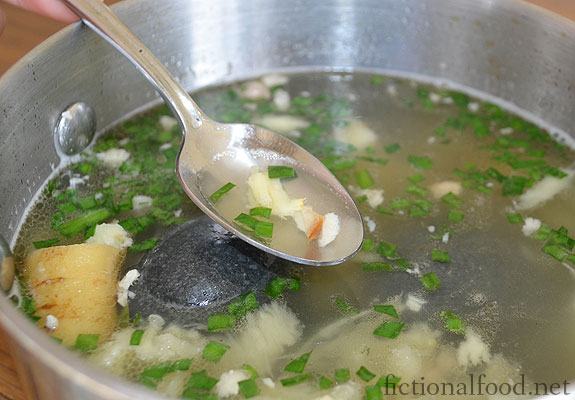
(50, 8)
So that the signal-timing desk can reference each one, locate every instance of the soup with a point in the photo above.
(467, 266)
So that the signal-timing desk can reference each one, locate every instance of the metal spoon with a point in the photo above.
(212, 150)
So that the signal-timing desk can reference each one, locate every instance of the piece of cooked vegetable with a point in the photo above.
(280, 171)
(76, 284)
(298, 365)
(221, 191)
(389, 330)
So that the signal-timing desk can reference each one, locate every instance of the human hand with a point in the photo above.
(50, 8)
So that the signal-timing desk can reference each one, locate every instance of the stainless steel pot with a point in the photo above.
(514, 51)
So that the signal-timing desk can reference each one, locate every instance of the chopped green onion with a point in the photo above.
(387, 249)
(342, 375)
(403, 264)
(298, 365)
(543, 233)
(276, 287)
(440, 255)
(77, 225)
(247, 220)
(46, 243)
(388, 310)
(365, 374)
(375, 266)
(515, 218)
(388, 381)
(514, 185)
(214, 351)
(201, 381)
(264, 229)
(221, 191)
(220, 322)
(344, 307)
(364, 179)
(416, 190)
(452, 323)
(67, 208)
(392, 148)
(455, 216)
(367, 244)
(144, 245)
(382, 210)
(194, 394)
(377, 80)
(555, 251)
(421, 163)
(452, 200)
(86, 342)
(399, 204)
(280, 171)
(325, 383)
(251, 370)
(136, 337)
(430, 281)
(493, 173)
(242, 305)
(520, 164)
(261, 212)
(373, 393)
(416, 178)
(389, 330)
(249, 388)
(296, 380)
(294, 284)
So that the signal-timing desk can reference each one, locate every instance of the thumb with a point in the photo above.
(50, 8)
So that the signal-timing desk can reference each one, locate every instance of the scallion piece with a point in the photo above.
(399, 204)
(388, 310)
(251, 370)
(455, 216)
(201, 381)
(514, 185)
(86, 342)
(452, 200)
(247, 220)
(276, 287)
(416, 190)
(220, 322)
(430, 281)
(46, 243)
(325, 383)
(392, 148)
(264, 229)
(403, 264)
(77, 225)
(364, 179)
(280, 171)
(515, 218)
(144, 245)
(373, 393)
(242, 305)
(382, 210)
(389, 330)
(388, 381)
(214, 351)
(295, 380)
(342, 375)
(221, 191)
(440, 255)
(344, 307)
(452, 323)
(375, 266)
(365, 374)
(367, 244)
(136, 337)
(249, 388)
(421, 163)
(555, 251)
(264, 212)
(294, 284)
(416, 178)
(194, 394)
(387, 249)
(298, 365)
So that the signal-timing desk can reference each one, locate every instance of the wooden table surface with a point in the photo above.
(23, 31)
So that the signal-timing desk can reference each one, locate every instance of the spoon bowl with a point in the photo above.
(213, 154)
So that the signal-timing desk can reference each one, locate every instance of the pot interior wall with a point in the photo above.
(508, 49)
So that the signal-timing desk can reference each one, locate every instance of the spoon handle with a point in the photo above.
(100, 18)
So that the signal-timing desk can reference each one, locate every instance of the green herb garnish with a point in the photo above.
(325, 383)
(515, 218)
(46, 243)
(452, 323)
(373, 393)
(280, 171)
(344, 307)
(365, 374)
(247, 220)
(242, 305)
(221, 191)
(144, 245)
(298, 365)
(388, 310)
(86, 342)
(430, 281)
(364, 179)
(389, 330)
(421, 163)
(342, 375)
(136, 337)
(367, 244)
(387, 249)
(248, 388)
(294, 284)
(201, 381)
(219, 322)
(264, 212)
(375, 266)
(276, 287)
(214, 351)
(264, 229)
(455, 216)
(452, 200)
(77, 225)
(440, 255)
(392, 148)
(295, 380)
